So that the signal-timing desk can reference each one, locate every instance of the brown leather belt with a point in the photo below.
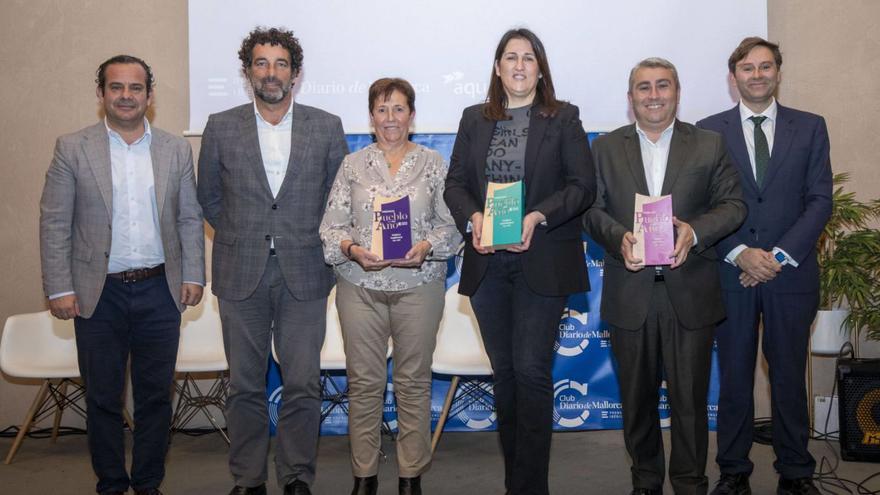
(138, 274)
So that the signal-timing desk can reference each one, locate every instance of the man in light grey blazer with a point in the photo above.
(122, 251)
(265, 170)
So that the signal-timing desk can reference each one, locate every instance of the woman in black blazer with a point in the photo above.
(522, 132)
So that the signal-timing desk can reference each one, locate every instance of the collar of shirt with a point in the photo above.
(147, 137)
(285, 121)
(745, 113)
(665, 136)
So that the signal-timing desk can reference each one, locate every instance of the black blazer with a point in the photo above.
(706, 193)
(559, 182)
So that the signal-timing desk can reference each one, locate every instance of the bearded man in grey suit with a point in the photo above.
(265, 170)
(122, 249)
(662, 317)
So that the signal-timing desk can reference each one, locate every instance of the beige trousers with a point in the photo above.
(411, 318)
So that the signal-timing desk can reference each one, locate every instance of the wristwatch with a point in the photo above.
(781, 258)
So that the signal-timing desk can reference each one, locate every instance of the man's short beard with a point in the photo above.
(270, 97)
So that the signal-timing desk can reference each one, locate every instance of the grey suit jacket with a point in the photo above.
(76, 215)
(706, 193)
(238, 203)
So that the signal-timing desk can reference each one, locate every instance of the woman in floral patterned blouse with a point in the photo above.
(378, 299)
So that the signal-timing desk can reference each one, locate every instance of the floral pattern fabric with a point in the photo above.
(364, 175)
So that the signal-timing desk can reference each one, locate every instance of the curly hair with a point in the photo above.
(101, 73)
(271, 36)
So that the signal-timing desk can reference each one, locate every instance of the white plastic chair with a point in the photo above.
(460, 353)
(201, 351)
(36, 345)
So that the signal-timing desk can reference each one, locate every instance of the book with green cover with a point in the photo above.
(503, 215)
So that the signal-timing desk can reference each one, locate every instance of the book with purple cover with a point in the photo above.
(392, 234)
(652, 227)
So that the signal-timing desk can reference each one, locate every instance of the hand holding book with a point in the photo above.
(529, 223)
(370, 262)
(631, 262)
(684, 241)
(415, 256)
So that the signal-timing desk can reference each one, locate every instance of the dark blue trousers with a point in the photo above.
(787, 318)
(519, 328)
(140, 320)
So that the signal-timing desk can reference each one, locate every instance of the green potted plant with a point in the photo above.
(849, 271)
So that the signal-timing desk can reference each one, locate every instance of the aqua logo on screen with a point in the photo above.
(571, 404)
(478, 415)
(274, 405)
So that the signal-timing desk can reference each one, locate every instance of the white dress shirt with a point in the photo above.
(275, 147)
(136, 240)
(654, 157)
(769, 128)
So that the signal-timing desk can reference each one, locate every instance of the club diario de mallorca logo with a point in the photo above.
(477, 415)
(571, 405)
(573, 337)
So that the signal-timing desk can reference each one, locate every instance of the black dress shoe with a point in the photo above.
(645, 491)
(365, 486)
(732, 484)
(410, 486)
(297, 487)
(799, 486)
(249, 490)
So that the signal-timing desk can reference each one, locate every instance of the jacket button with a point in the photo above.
(106, 254)
(760, 200)
(274, 207)
(268, 237)
(752, 231)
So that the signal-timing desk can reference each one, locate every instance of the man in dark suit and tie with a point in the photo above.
(768, 268)
(662, 317)
(265, 170)
(122, 244)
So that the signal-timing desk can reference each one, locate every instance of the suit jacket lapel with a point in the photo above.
(96, 146)
(736, 144)
(251, 146)
(482, 139)
(678, 153)
(161, 158)
(300, 136)
(782, 138)
(537, 128)
(633, 151)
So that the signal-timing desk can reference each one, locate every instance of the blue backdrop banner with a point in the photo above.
(586, 395)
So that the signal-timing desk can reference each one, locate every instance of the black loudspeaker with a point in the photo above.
(858, 384)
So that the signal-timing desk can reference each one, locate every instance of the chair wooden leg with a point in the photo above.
(28, 420)
(59, 409)
(441, 421)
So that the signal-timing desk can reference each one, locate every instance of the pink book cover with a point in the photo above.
(652, 227)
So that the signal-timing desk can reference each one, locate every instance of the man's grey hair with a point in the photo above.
(654, 63)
